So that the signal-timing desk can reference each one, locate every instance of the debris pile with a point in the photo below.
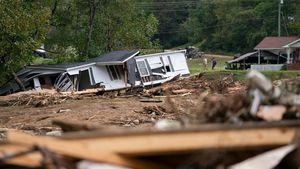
(263, 101)
(194, 84)
(42, 99)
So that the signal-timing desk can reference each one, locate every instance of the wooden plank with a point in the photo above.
(69, 148)
(31, 159)
(140, 145)
(104, 148)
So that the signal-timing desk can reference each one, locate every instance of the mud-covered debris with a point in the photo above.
(194, 84)
(154, 110)
(63, 110)
(221, 109)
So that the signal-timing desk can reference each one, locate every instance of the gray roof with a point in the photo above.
(59, 66)
(115, 57)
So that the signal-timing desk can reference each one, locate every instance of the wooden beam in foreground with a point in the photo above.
(30, 159)
(117, 149)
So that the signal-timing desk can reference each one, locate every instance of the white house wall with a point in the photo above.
(76, 71)
(178, 62)
(101, 75)
(154, 62)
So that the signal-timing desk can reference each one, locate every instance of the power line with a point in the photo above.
(210, 27)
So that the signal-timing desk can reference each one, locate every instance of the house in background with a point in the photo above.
(111, 71)
(272, 53)
(250, 60)
(288, 47)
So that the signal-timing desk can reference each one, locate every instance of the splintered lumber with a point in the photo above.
(69, 148)
(97, 146)
(20, 155)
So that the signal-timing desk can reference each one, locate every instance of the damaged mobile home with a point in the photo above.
(111, 71)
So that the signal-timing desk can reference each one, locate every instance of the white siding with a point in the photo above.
(177, 59)
(154, 62)
(76, 71)
(101, 75)
(179, 64)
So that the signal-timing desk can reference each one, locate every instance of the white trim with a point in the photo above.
(288, 45)
(81, 66)
(269, 48)
(163, 53)
(131, 56)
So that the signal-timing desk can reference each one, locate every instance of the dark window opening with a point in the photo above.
(168, 68)
(113, 72)
(42, 80)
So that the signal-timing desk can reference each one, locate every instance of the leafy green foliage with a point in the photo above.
(171, 14)
(71, 30)
(63, 55)
(22, 30)
(238, 25)
(116, 25)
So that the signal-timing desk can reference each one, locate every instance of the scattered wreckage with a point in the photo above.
(111, 71)
(258, 129)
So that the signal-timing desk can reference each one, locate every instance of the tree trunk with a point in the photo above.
(54, 8)
(19, 82)
(93, 8)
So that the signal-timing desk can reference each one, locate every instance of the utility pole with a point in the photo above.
(279, 17)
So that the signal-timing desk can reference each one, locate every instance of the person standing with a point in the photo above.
(213, 63)
(205, 63)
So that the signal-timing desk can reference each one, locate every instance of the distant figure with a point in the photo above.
(213, 63)
(205, 63)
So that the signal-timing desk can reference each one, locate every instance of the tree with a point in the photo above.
(238, 25)
(23, 27)
(171, 15)
(97, 26)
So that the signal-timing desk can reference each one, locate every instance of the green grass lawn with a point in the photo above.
(196, 66)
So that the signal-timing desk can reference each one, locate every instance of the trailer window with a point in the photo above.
(142, 68)
(113, 72)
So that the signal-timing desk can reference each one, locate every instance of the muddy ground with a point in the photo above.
(105, 111)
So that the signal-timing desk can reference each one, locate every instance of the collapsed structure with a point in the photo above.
(111, 71)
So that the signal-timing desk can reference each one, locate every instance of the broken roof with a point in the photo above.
(276, 42)
(115, 57)
(60, 66)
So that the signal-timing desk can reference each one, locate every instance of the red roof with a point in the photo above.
(276, 42)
